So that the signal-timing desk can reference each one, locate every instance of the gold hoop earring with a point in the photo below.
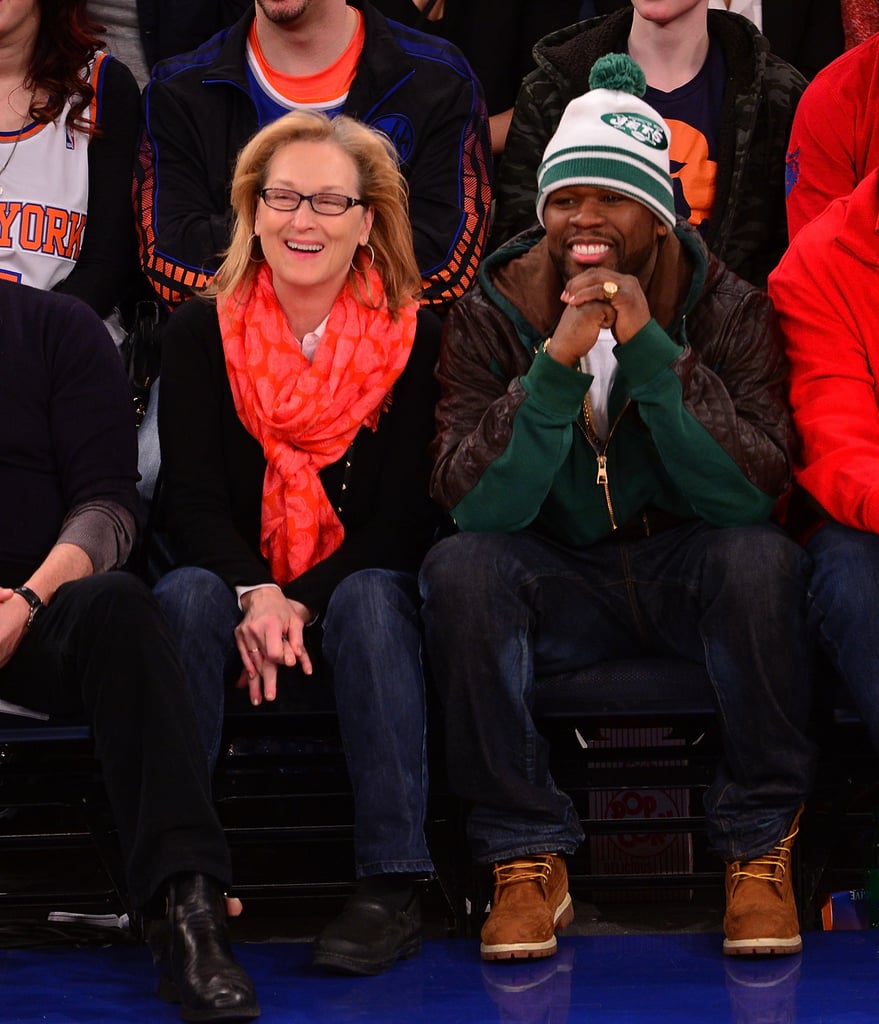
(370, 265)
(251, 257)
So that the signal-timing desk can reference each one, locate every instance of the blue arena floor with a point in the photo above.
(621, 979)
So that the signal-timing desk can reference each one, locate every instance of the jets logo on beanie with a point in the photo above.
(610, 138)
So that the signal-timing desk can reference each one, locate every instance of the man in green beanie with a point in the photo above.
(612, 439)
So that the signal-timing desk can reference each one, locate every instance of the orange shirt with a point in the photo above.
(325, 90)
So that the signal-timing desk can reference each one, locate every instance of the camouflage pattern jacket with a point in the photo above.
(748, 228)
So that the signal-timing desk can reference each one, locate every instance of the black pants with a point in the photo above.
(102, 647)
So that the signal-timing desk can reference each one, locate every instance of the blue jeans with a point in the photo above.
(844, 594)
(501, 610)
(203, 612)
(372, 640)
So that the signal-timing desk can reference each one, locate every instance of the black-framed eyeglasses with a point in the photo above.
(328, 204)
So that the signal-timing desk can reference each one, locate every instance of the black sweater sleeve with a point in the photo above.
(105, 268)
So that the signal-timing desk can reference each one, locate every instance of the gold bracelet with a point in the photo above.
(545, 348)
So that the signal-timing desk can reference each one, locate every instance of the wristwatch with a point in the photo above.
(34, 601)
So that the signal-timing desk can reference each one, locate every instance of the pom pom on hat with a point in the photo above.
(610, 138)
(619, 72)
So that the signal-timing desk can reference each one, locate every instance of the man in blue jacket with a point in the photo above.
(201, 107)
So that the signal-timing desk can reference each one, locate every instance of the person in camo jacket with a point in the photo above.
(728, 101)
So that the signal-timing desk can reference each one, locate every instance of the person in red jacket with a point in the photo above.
(825, 292)
(834, 139)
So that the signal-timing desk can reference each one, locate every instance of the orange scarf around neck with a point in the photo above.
(306, 415)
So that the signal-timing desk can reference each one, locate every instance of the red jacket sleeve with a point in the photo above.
(824, 301)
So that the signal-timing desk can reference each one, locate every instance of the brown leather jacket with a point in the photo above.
(700, 426)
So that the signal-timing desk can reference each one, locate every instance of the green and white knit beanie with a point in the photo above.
(610, 138)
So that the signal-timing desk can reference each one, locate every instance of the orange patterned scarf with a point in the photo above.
(305, 415)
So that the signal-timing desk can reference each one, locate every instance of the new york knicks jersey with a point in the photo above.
(44, 193)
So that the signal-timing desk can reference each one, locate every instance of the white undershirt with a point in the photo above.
(751, 9)
(602, 364)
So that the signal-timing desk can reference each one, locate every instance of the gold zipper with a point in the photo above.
(600, 448)
(595, 442)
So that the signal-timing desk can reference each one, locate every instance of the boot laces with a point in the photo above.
(526, 869)
(772, 866)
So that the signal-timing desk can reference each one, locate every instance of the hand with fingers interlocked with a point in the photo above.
(596, 299)
(270, 634)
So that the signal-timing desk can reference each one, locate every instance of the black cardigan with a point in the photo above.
(213, 469)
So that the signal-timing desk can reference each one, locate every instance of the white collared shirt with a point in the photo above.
(310, 341)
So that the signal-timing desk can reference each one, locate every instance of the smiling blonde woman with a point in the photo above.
(295, 416)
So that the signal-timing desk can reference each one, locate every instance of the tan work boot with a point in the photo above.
(531, 901)
(761, 913)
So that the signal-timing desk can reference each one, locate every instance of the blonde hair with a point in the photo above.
(380, 185)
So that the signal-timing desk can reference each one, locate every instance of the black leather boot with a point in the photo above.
(379, 924)
(192, 951)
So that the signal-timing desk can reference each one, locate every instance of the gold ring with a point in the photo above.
(610, 288)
